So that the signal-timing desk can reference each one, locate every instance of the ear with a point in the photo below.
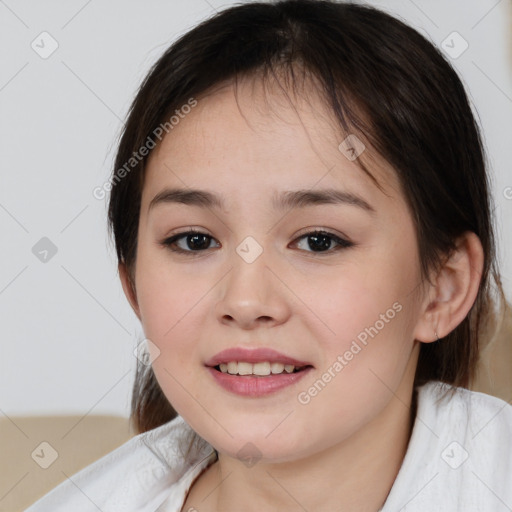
(453, 291)
(129, 288)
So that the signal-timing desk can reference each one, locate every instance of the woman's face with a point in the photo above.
(344, 303)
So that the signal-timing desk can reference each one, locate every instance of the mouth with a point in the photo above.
(256, 372)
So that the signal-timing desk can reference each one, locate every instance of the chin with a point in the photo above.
(250, 447)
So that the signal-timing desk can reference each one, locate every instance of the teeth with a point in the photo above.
(277, 367)
(244, 368)
(262, 369)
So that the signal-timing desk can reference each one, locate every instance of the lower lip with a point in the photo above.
(248, 385)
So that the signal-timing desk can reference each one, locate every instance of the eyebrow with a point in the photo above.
(289, 199)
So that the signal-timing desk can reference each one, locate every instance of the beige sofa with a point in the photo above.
(494, 372)
(37, 453)
(78, 441)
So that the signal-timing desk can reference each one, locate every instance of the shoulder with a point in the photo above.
(459, 455)
(455, 408)
(137, 476)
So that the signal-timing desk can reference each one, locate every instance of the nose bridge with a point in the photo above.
(248, 280)
(251, 293)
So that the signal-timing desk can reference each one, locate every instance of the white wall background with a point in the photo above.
(68, 333)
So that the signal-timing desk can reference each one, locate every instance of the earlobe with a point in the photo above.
(129, 288)
(453, 291)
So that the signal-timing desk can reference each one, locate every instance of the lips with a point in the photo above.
(257, 355)
(254, 386)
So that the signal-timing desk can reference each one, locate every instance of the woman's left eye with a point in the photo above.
(195, 242)
(320, 241)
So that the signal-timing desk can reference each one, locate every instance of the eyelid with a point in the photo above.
(320, 229)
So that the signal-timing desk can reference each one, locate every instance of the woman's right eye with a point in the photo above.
(188, 242)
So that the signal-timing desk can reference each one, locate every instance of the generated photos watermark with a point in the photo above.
(343, 360)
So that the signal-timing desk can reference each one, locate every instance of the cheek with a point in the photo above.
(364, 360)
(371, 316)
(351, 302)
(169, 298)
(170, 305)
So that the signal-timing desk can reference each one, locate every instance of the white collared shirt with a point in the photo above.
(459, 458)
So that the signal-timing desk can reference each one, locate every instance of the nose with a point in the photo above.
(253, 294)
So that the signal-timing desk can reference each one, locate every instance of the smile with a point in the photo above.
(255, 372)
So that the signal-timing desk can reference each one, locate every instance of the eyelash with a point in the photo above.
(170, 242)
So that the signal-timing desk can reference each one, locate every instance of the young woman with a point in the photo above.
(301, 214)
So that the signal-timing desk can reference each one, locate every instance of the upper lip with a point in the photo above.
(256, 355)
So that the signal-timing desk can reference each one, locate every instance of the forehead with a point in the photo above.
(255, 137)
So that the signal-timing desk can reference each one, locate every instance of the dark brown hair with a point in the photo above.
(382, 80)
